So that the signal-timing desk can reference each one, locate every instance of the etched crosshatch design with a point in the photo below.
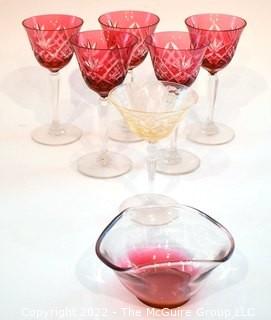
(151, 126)
(221, 48)
(221, 34)
(139, 23)
(174, 58)
(49, 38)
(103, 58)
(222, 38)
(52, 48)
(103, 71)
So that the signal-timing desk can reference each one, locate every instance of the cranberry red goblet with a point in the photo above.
(222, 32)
(49, 36)
(103, 57)
(175, 59)
(141, 24)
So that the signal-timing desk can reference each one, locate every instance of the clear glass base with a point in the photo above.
(104, 165)
(175, 163)
(119, 131)
(198, 134)
(68, 134)
(147, 199)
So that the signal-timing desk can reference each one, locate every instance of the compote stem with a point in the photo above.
(102, 112)
(210, 128)
(151, 164)
(55, 127)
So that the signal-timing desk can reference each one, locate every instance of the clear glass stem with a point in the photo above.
(102, 112)
(210, 128)
(173, 142)
(130, 76)
(55, 127)
(151, 164)
(172, 156)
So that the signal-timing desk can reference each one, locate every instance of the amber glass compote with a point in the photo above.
(49, 37)
(141, 24)
(152, 110)
(222, 32)
(103, 57)
(175, 59)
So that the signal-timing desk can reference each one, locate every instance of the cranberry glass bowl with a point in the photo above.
(164, 253)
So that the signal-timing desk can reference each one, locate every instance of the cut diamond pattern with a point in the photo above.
(52, 49)
(221, 32)
(172, 58)
(140, 24)
(151, 126)
(104, 65)
(49, 38)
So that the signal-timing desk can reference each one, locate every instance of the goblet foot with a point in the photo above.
(175, 163)
(147, 199)
(104, 165)
(68, 134)
(119, 131)
(198, 134)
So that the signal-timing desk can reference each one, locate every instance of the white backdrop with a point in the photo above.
(51, 215)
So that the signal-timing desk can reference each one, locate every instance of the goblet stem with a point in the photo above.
(173, 143)
(151, 164)
(102, 111)
(55, 127)
(210, 128)
(130, 76)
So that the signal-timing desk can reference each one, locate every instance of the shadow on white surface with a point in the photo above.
(213, 162)
(102, 281)
(82, 97)
(225, 276)
(238, 86)
(29, 87)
